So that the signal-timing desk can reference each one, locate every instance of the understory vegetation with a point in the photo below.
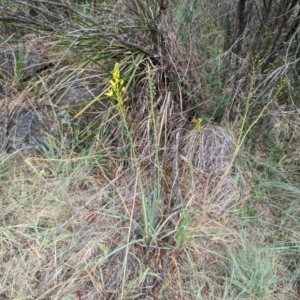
(179, 178)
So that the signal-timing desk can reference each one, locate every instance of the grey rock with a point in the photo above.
(76, 94)
(29, 130)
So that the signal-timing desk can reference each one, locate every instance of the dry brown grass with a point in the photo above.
(75, 232)
(60, 240)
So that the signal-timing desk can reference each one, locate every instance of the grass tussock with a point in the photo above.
(156, 177)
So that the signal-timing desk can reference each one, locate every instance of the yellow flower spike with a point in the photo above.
(116, 74)
(117, 89)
